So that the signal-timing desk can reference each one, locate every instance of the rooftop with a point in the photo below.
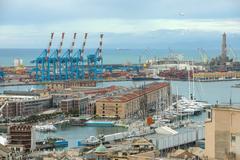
(227, 107)
(101, 149)
(134, 93)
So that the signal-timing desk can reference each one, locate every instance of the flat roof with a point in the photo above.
(134, 93)
(227, 107)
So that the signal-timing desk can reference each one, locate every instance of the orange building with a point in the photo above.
(155, 95)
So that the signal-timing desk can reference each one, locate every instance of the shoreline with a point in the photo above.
(4, 84)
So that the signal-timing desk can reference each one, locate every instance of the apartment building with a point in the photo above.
(77, 105)
(22, 137)
(126, 105)
(25, 107)
(222, 133)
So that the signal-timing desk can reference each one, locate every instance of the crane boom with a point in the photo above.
(61, 44)
(50, 44)
(73, 42)
(100, 45)
(84, 44)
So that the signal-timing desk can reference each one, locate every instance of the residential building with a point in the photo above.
(21, 137)
(125, 105)
(25, 107)
(77, 105)
(222, 133)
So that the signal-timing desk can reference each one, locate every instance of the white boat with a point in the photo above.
(91, 141)
(46, 128)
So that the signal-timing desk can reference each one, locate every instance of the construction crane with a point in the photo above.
(232, 52)
(95, 62)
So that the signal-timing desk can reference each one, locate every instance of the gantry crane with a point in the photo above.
(53, 62)
(95, 62)
(77, 61)
(41, 62)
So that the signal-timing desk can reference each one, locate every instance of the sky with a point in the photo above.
(125, 23)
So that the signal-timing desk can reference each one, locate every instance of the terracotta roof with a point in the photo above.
(134, 93)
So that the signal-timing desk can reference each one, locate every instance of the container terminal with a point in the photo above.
(75, 65)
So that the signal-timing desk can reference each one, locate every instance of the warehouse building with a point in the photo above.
(126, 105)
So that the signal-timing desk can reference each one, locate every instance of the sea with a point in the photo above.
(111, 56)
(212, 92)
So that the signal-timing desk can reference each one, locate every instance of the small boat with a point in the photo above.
(51, 143)
(46, 128)
(91, 141)
(61, 143)
(78, 121)
(236, 86)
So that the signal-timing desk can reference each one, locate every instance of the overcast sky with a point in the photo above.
(28, 23)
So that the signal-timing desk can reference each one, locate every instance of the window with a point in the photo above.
(209, 115)
(233, 138)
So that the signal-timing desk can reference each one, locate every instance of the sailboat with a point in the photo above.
(191, 106)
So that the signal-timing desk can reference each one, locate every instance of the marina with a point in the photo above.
(160, 81)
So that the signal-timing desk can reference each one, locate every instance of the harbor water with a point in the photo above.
(206, 91)
(212, 92)
(74, 133)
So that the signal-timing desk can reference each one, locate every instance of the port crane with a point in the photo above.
(65, 68)
(52, 65)
(95, 62)
(77, 61)
(53, 61)
(203, 55)
(41, 62)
